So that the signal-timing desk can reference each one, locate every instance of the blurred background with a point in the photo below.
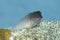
(12, 11)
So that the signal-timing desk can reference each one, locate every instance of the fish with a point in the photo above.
(29, 20)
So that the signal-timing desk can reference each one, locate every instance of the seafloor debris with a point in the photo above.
(5, 34)
(46, 30)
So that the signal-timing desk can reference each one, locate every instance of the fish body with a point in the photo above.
(29, 20)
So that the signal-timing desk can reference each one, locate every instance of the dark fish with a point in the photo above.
(29, 20)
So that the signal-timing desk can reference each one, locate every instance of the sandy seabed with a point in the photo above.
(46, 30)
